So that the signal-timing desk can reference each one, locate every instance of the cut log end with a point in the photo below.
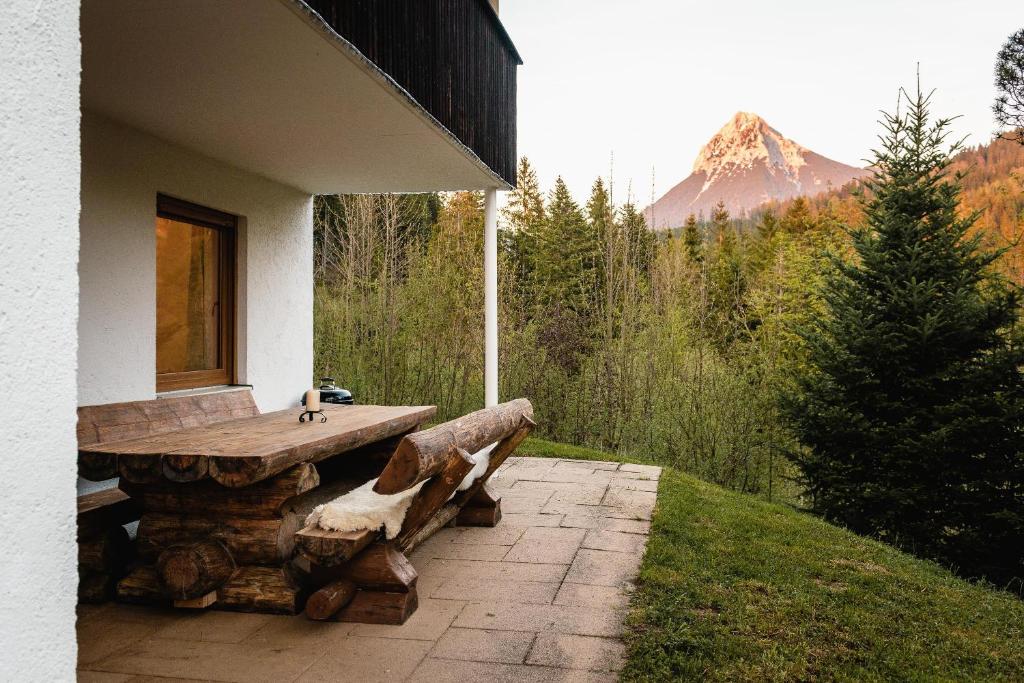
(191, 571)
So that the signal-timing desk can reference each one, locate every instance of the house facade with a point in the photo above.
(160, 164)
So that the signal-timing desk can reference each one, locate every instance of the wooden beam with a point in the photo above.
(329, 599)
(331, 548)
(435, 493)
(423, 454)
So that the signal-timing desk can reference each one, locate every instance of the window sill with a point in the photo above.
(217, 389)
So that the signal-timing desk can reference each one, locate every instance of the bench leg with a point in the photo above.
(385, 584)
(483, 509)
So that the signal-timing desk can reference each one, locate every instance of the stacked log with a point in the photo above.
(104, 547)
(201, 543)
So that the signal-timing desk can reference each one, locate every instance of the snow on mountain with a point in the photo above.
(745, 164)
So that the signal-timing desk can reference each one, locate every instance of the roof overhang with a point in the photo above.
(268, 87)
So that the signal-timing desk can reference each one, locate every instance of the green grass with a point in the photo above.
(734, 588)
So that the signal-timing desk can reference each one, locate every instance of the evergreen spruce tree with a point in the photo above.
(913, 413)
(568, 254)
(727, 277)
(798, 219)
(692, 240)
(523, 216)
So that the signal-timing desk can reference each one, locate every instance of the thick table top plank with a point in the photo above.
(246, 450)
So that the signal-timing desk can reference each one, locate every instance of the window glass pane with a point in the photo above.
(187, 297)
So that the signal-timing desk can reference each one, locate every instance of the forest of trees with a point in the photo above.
(688, 347)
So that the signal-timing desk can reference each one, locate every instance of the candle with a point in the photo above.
(313, 400)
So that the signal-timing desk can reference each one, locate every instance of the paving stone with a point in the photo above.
(503, 534)
(476, 645)
(565, 507)
(598, 597)
(523, 506)
(577, 475)
(626, 498)
(626, 526)
(548, 618)
(214, 626)
(467, 551)
(528, 519)
(485, 590)
(592, 464)
(650, 470)
(205, 660)
(300, 636)
(615, 541)
(577, 652)
(635, 484)
(368, 659)
(101, 636)
(603, 568)
(470, 570)
(433, 670)
(428, 622)
(544, 544)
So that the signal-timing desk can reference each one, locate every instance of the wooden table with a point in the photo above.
(221, 503)
(244, 451)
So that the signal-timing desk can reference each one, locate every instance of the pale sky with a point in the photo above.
(652, 80)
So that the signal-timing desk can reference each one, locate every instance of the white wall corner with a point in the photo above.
(39, 206)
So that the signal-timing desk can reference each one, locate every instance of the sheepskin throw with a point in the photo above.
(363, 508)
(481, 460)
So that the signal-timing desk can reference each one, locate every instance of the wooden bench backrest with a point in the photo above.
(136, 419)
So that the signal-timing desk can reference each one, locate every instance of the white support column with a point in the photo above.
(491, 297)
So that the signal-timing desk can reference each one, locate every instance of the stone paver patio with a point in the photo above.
(540, 597)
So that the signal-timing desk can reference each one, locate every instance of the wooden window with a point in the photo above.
(195, 295)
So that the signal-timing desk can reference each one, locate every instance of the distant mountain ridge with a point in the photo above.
(746, 164)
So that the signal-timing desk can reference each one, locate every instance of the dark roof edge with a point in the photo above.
(500, 27)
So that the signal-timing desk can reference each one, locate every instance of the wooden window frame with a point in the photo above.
(227, 225)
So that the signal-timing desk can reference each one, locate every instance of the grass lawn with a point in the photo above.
(734, 588)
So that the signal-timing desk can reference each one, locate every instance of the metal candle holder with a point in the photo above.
(311, 413)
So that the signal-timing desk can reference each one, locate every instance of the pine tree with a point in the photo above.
(692, 240)
(523, 216)
(568, 254)
(727, 277)
(798, 219)
(913, 413)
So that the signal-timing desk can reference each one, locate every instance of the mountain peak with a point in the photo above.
(744, 140)
(746, 163)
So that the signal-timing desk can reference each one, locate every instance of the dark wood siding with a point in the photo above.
(452, 56)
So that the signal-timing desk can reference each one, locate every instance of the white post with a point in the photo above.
(491, 297)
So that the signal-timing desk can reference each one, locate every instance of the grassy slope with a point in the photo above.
(734, 588)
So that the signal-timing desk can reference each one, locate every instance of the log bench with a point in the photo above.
(104, 547)
(362, 576)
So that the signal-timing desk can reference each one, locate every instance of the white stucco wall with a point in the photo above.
(39, 176)
(122, 171)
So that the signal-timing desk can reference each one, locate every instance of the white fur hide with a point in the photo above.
(363, 508)
(481, 460)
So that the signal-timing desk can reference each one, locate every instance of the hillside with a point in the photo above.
(734, 588)
(993, 185)
(743, 165)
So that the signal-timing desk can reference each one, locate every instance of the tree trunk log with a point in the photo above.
(423, 454)
(329, 599)
(250, 541)
(265, 499)
(498, 456)
(191, 571)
